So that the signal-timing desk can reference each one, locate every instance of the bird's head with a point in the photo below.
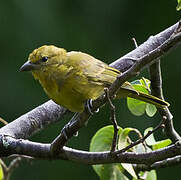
(43, 58)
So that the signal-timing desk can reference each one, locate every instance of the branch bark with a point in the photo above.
(8, 146)
(160, 164)
(156, 84)
(35, 120)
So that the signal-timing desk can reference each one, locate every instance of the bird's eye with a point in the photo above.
(44, 59)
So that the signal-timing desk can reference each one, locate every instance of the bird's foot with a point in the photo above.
(89, 107)
(66, 128)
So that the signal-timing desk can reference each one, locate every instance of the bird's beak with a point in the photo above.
(27, 66)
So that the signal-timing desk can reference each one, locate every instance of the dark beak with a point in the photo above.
(27, 66)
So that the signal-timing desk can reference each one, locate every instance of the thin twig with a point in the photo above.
(4, 168)
(113, 119)
(140, 137)
(7, 170)
(14, 164)
(141, 140)
(3, 121)
(160, 164)
(135, 43)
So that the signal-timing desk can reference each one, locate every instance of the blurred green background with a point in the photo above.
(103, 29)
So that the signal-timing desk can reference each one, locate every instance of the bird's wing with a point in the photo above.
(94, 70)
(94, 74)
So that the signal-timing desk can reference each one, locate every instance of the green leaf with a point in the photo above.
(129, 168)
(102, 141)
(142, 85)
(137, 81)
(146, 82)
(150, 109)
(123, 142)
(1, 171)
(124, 136)
(150, 140)
(151, 175)
(161, 144)
(156, 144)
(112, 172)
(136, 107)
(179, 5)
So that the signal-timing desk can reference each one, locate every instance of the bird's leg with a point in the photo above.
(66, 127)
(89, 106)
(70, 129)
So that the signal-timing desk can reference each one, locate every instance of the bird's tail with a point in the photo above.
(149, 99)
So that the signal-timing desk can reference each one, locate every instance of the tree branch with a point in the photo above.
(141, 140)
(156, 84)
(160, 164)
(35, 120)
(8, 146)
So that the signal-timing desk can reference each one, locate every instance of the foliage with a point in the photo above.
(1, 171)
(102, 141)
(1, 174)
(138, 107)
(179, 5)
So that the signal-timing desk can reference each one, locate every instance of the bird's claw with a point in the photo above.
(64, 131)
(66, 128)
(89, 107)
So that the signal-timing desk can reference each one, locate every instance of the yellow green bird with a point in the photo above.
(72, 78)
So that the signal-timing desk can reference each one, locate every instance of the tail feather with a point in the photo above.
(149, 99)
